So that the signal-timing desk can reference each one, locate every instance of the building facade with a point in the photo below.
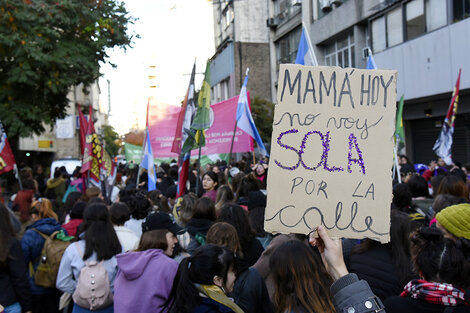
(426, 41)
(241, 41)
(63, 140)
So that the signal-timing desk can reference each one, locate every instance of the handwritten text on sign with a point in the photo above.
(332, 152)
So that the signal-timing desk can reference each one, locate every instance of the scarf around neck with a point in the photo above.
(216, 294)
(437, 293)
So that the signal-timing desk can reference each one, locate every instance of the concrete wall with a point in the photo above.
(250, 21)
(256, 57)
(222, 65)
(429, 65)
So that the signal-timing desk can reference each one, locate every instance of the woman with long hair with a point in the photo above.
(210, 183)
(235, 215)
(202, 218)
(202, 282)
(97, 242)
(145, 276)
(386, 267)
(444, 269)
(224, 195)
(16, 293)
(44, 224)
(301, 282)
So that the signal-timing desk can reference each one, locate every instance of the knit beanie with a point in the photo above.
(456, 220)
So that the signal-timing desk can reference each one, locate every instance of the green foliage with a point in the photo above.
(111, 140)
(48, 46)
(263, 114)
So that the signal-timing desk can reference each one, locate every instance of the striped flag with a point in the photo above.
(371, 62)
(245, 120)
(184, 123)
(443, 145)
(148, 163)
(305, 53)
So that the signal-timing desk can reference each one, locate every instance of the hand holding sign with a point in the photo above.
(332, 148)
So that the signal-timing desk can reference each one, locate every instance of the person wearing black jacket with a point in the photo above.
(15, 295)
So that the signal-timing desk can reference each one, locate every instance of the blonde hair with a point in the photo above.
(43, 208)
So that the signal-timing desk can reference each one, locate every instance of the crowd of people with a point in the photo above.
(68, 247)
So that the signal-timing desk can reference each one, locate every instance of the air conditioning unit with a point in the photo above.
(296, 3)
(325, 5)
(271, 22)
(366, 52)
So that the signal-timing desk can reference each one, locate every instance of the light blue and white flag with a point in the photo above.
(245, 120)
(371, 62)
(148, 163)
(305, 54)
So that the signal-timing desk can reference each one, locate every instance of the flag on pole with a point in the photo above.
(92, 154)
(201, 120)
(305, 53)
(245, 120)
(148, 163)
(185, 117)
(443, 145)
(399, 131)
(371, 62)
(182, 128)
(7, 159)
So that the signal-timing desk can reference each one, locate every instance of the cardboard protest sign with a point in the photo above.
(332, 152)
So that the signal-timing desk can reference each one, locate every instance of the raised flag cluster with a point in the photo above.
(185, 119)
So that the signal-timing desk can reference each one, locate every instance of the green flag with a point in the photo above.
(201, 120)
(399, 132)
(133, 153)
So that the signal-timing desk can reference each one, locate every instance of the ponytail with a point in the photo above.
(184, 296)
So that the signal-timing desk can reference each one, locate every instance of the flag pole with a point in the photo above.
(235, 127)
(198, 171)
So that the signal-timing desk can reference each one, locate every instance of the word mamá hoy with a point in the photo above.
(332, 152)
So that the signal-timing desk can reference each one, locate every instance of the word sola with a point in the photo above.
(325, 138)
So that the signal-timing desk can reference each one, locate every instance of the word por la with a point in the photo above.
(325, 139)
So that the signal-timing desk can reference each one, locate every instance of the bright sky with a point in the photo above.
(173, 34)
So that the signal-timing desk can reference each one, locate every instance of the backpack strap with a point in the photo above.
(79, 249)
(40, 233)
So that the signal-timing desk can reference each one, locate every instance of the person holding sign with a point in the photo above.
(349, 294)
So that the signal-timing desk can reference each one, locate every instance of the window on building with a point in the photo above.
(436, 14)
(415, 21)
(286, 47)
(341, 52)
(379, 41)
(420, 16)
(284, 9)
(394, 27)
(461, 9)
(221, 91)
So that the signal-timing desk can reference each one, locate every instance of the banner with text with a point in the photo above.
(163, 119)
(332, 152)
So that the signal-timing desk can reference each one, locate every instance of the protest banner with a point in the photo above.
(332, 152)
(163, 120)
